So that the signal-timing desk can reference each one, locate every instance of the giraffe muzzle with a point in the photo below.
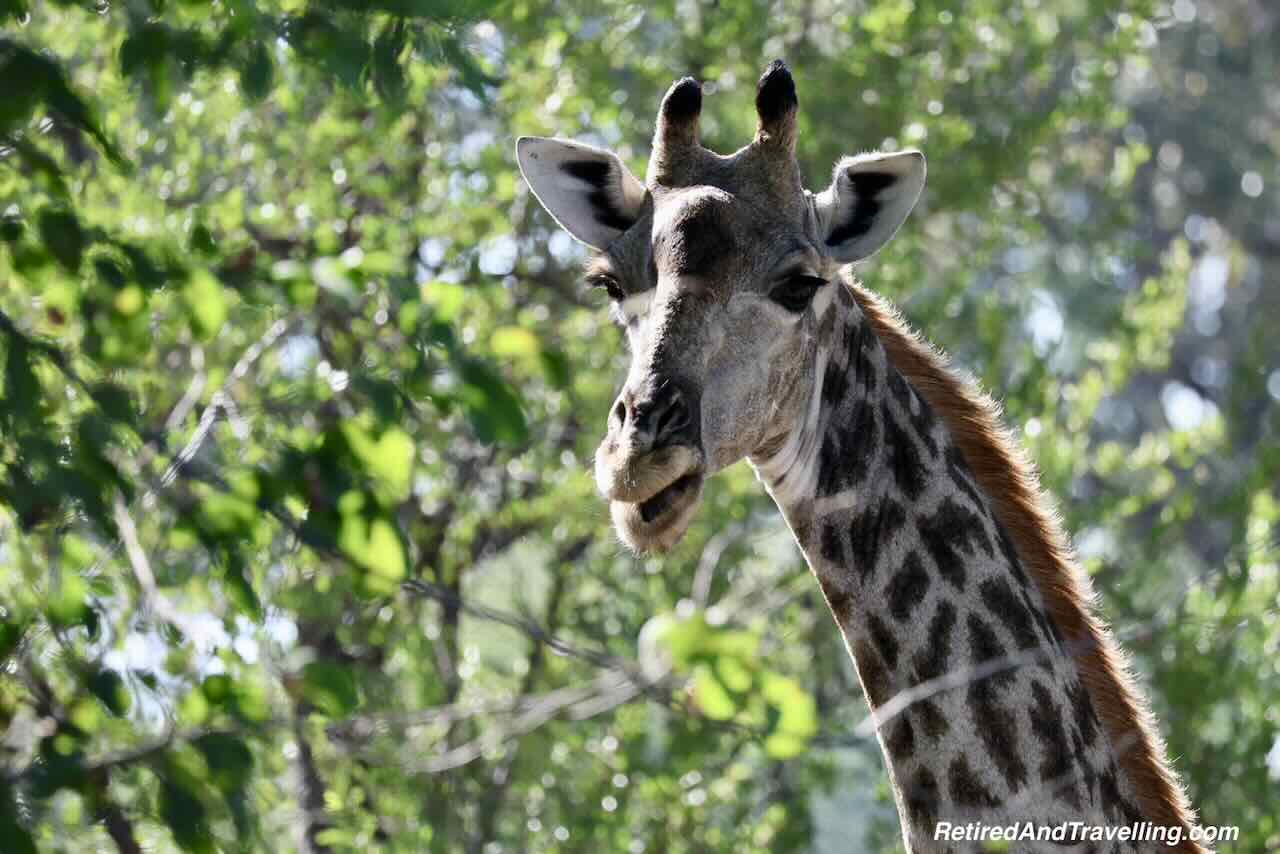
(657, 523)
(652, 495)
(623, 475)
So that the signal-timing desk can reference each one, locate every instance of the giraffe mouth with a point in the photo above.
(658, 522)
(669, 496)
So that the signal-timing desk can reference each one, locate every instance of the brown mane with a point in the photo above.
(1009, 479)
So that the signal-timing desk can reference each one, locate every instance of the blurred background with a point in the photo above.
(299, 548)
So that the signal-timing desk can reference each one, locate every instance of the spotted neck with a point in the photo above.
(925, 585)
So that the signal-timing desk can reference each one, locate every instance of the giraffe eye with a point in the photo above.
(795, 293)
(610, 286)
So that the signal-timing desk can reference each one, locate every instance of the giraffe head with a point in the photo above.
(720, 269)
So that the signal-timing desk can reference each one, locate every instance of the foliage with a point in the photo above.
(299, 391)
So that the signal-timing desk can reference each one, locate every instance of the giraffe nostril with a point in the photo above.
(658, 417)
(672, 420)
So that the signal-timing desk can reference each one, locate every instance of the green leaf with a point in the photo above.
(369, 537)
(555, 367)
(340, 51)
(67, 605)
(242, 697)
(12, 227)
(734, 674)
(224, 514)
(372, 541)
(238, 586)
(330, 688)
(492, 406)
(257, 73)
(202, 240)
(21, 391)
(218, 689)
(229, 759)
(794, 719)
(62, 236)
(387, 459)
(385, 554)
(59, 764)
(115, 402)
(713, 699)
(109, 272)
(44, 81)
(207, 302)
(16, 838)
(446, 299)
(110, 689)
(11, 633)
(514, 342)
(185, 814)
(444, 47)
(15, 9)
(41, 164)
(388, 76)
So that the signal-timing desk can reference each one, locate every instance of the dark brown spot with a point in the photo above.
(963, 478)
(998, 729)
(863, 349)
(921, 417)
(907, 589)
(1057, 760)
(965, 787)
(886, 644)
(1088, 777)
(1116, 804)
(1082, 710)
(931, 719)
(1010, 610)
(985, 647)
(831, 544)
(841, 604)
(901, 740)
(835, 383)
(1109, 790)
(931, 662)
(921, 796)
(997, 726)
(952, 535)
(1048, 629)
(870, 530)
(903, 456)
(1005, 545)
(875, 679)
(847, 450)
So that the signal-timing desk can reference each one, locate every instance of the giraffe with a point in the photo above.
(998, 695)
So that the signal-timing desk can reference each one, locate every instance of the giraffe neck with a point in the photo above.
(929, 594)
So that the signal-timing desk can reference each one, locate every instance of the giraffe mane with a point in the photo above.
(1009, 478)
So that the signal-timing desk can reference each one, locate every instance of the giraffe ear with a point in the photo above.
(869, 197)
(588, 191)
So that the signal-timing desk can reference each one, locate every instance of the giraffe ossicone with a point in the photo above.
(921, 521)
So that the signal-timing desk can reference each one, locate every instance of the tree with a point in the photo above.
(298, 542)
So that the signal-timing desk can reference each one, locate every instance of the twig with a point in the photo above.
(151, 595)
(221, 400)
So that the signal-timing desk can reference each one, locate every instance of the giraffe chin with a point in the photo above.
(657, 523)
